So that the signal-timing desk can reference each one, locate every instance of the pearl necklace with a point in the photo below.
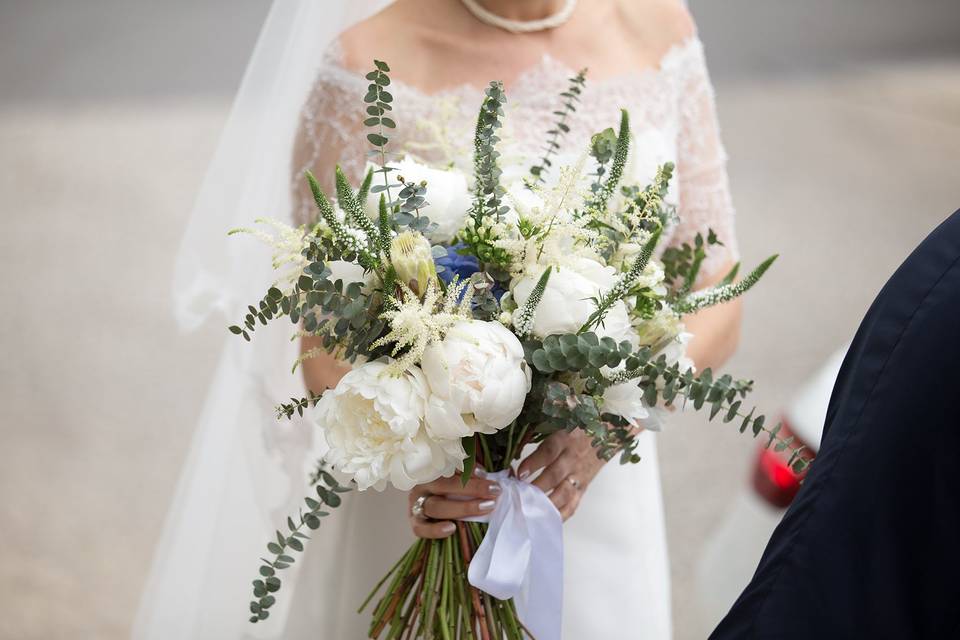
(520, 26)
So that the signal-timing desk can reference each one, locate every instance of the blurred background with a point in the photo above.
(842, 121)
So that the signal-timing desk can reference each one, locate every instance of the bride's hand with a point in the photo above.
(477, 497)
(569, 464)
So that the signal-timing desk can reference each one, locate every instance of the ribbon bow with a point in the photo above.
(521, 555)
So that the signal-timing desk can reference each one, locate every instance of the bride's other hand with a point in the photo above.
(569, 464)
(477, 497)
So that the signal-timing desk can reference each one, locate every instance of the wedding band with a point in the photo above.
(574, 482)
(417, 509)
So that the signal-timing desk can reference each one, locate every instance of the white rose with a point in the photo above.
(566, 304)
(625, 400)
(374, 427)
(447, 194)
(478, 378)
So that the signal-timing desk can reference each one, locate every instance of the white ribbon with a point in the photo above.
(521, 555)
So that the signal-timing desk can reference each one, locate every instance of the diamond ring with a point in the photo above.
(574, 482)
(417, 509)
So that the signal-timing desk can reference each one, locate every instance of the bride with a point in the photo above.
(642, 55)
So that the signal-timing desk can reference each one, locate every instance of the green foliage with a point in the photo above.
(384, 225)
(486, 306)
(524, 316)
(412, 198)
(378, 101)
(583, 353)
(345, 240)
(565, 409)
(693, 302)
(681, 264)
(602, 147)
(723, 396)
(644, 211)
(620, 154)
(621, 288)
(364, 189)
(297, 406)
(264, 588)
(353, 207)
(354, 323)
(268, 308)
(488, 192)
(569, 99)
(658, 382)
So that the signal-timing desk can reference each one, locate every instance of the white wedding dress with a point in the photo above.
(616, 568)
(246, 471)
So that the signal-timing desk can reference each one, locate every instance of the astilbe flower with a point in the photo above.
(288, 245)
(416, 323)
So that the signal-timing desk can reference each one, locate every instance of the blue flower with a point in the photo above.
(463, 265)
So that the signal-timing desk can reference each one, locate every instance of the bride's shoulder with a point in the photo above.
(659, 24)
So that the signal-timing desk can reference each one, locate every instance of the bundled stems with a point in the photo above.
(428, 595)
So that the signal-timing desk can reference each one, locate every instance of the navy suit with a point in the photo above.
(870, 548)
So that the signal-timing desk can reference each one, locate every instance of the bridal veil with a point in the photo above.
(246, 471)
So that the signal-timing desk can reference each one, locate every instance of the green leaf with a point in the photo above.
(376, 139)
(758, 425)
(541, 362)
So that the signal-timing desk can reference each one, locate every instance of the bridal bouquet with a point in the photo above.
(481, 317)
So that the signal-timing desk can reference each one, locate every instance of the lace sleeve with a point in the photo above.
(704, 191)
(330, 133)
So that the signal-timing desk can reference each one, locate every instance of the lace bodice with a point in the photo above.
(672, 110)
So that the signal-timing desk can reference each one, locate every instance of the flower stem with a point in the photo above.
(478, 610)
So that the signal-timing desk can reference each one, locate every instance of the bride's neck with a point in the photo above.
(523, 9)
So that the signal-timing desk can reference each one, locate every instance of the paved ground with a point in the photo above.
(841, 171)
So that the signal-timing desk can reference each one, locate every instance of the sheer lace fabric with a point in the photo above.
(672, 110)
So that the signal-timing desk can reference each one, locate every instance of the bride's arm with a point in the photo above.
(568, 461)
(705, 204)
(716, 331)
(328, 134)
(321, 371)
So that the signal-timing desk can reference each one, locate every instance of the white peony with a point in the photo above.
(478, 378)
(625, 400)
(566, 304)
(447, 194)
(375, 429)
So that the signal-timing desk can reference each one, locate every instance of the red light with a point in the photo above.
(773, 479)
